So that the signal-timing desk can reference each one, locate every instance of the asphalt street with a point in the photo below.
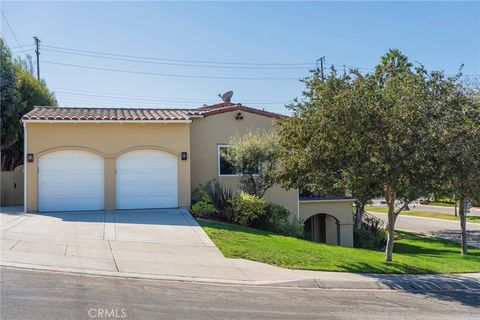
(448, 210)
(446, 229)
(420, 207)
(45, 295)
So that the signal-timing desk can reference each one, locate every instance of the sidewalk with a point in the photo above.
(172, 247)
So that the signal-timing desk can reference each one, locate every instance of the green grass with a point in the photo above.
(425, 214)
(413, 254)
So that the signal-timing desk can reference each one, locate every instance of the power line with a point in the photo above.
(174, 63)
(13, 33)
(169, 74)
(103, 93)
(24, 46)
(139, 99)
(183, 60)
(64, 101)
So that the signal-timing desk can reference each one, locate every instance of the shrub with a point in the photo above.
(247, 207)
(275, 215)
(200, 194)
(368, 239)
(216, 195)
(203, 209)
(220, 195)
(292, 229)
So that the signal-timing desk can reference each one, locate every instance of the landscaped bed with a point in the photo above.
(412, 253)
(424, 214)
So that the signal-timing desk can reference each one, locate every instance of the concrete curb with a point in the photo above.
(130, 275)
(460, 282)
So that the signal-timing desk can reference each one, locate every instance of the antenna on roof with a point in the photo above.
(226, 97)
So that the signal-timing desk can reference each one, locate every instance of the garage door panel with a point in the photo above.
(147, 179)
(71, 180)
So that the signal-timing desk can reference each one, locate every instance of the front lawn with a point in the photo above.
(425, 214)
(413, 254)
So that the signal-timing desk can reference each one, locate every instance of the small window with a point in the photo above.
(225, 167)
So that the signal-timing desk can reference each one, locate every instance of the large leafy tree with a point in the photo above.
(20, 92)
(10, 102)
(376, 131)
(312, 136)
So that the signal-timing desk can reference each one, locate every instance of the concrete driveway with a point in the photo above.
(166, 243)
(139, 241)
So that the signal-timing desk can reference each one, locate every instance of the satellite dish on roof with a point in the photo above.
(226, 97)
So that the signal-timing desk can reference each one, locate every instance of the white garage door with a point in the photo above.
(147, 179)
(70, 180)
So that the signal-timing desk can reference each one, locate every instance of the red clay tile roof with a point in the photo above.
(133, 114)
(119, 114)
(227, 107)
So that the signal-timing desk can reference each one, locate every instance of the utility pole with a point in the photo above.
(322, 61)
(37, 51)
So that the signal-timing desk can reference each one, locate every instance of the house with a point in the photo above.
(115, 158)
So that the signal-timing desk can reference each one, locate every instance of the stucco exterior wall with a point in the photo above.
(208, 133)
(340, 209)
(108, 140)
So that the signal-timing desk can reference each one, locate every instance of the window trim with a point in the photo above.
(219, 146)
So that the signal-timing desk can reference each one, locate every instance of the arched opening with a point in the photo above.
(324, 228)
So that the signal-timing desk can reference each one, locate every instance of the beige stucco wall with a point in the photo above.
(108, 140)
(205, 136)
(340, 209)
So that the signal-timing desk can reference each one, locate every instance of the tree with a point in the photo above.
(311, 137)
(10, 102)
(460, 176)
(376, 129)
(20, 93)
(254, 155)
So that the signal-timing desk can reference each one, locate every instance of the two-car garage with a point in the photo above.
(74, 180)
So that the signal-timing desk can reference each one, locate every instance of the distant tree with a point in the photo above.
(254, 156)
(20, 92)
(460, 174)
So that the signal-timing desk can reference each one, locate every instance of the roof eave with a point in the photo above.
(103, 121)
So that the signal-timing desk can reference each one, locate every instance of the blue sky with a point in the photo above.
(441, 35)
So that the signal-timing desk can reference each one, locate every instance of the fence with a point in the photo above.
(12, 187)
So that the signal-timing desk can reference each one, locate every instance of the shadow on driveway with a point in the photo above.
(171, 217)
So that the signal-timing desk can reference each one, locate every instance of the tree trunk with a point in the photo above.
(463, 226)
(359, 210)
(390, 199)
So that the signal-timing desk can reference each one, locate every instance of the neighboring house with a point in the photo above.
(109, 159)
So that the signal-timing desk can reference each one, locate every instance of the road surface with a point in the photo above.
(420, 207)
(43, 295)
(446, 229)
(447, 210)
